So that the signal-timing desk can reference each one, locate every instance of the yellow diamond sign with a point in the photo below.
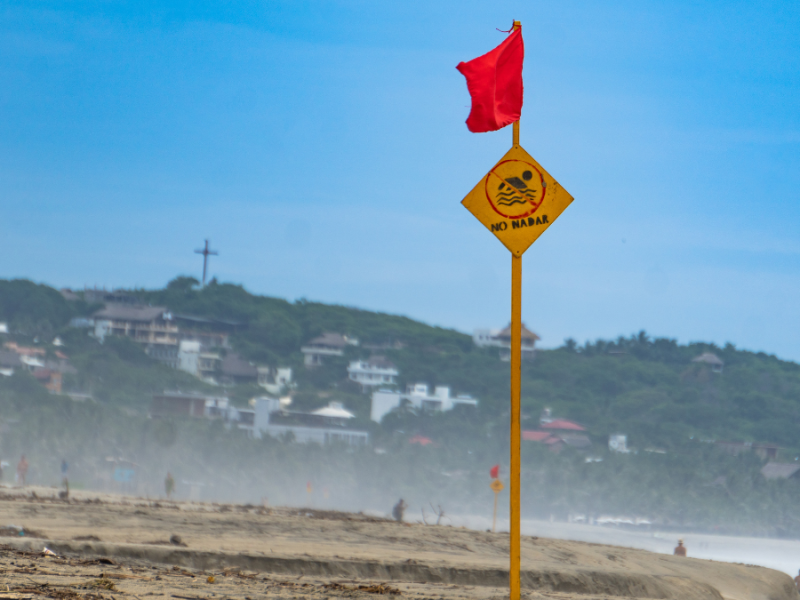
(496, 485)
(517, 200)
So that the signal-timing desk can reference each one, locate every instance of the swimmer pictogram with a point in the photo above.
(515, 188)
(517, 200)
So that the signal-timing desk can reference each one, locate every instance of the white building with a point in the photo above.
(265, 416)
(323, 426)
(275, 380)
(501, 338)
(205, 365)
(418, 396)
(189, 357)
(376, 371)
(618, 442)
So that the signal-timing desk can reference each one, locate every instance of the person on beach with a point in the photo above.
(797, 581)
(22, 470)
(169, 484)
(398, 510)
(680, 549)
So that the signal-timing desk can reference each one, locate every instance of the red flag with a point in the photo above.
(494, 81)
(495, 471)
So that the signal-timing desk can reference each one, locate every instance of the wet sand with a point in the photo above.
(334, 553)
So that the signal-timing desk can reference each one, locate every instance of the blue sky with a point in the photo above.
(321, 146)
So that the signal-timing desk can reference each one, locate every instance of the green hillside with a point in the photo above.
(647, 388)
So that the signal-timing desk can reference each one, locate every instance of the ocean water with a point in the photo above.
(778, 554)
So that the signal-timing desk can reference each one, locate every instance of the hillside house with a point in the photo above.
(28, 358)
(214, 367)
(33, 358)
(714, 362)
(556, 440)
(210, 332)
(328, 344)
(151, 326)
(501, 338)
(275, 380)
(373, 372)
(235, 369)
(557, 433)
(547, 421)
(419, 397)
(536, 436)
(48, 372)
(553, 442)
(200, 406)
(327, 425)
(196, 360)
(763, 451)
(265, 416)
(161, 333)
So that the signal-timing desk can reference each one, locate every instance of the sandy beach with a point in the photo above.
(170, 549)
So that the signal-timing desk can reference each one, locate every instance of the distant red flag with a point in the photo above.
(494, 81)
(495, 471)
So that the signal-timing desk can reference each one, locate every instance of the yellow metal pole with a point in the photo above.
(516, 433)
(494, 513)
(516, 367)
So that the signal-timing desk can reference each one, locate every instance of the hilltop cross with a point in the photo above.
(206, 253)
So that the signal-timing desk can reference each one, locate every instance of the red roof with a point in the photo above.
(536, 436)
(421, 440)
(563, 424)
